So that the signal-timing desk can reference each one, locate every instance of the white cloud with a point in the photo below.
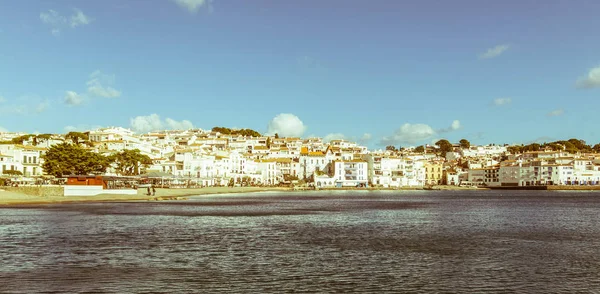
(72, 98)
(409, 133)
(193, 5)
(153, 122)
(413, 133)
(502, 101)
(144, 124)
(286, 125)
(42, 106)
(557, 112)
(366, 137)
(79, 19)
(101, 84)
(25, 105)
(179, 125)
(334, 136)
(57, 22)
(453, 127)
(494, 52)
(592, 80)
(53, 18)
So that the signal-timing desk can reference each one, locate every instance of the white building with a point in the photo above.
(350, 173)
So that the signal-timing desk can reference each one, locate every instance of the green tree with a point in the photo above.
(242, 132)
(531, 147)
(465, 144)
(130, 162)
(20, 139)
(444, 147)
(37, 138)
(77, 137)
(65, 159)
(276, 136)
(580, 144)
(391, 148)
(596, 148)
(420, 149)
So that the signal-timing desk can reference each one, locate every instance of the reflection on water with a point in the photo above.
(419, 242)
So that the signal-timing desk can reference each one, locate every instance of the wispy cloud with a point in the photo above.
(414, 133)
(502, 101)
(494, 52)
(24, 105)
(42, 106)
(58, 22)
(193, 6)
(79, 19)
(592, 80)
(557, 112)
(334, 136)
(153, 122)
(72, 98)
(101, 85)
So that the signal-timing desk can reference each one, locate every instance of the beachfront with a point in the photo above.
(17, 198)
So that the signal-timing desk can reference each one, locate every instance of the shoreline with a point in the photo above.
(12, 198)
(20, 199)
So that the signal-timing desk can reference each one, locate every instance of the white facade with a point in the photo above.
(350, 173)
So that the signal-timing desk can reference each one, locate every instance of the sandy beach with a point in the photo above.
(13, 198)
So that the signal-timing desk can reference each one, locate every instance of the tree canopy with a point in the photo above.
(420, 149)
(20, 139)
(444, 147)
(242, 132)
(65, 159)
(130, 162)
(464, 143)
(77, 137)
(572, 146)
(391, 148)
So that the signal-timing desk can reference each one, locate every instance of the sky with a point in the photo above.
(399, 73)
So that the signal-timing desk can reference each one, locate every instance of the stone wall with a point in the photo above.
(37, 190)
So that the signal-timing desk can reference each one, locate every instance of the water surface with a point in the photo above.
(386, 241)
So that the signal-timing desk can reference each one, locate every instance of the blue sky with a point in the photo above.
(381, 72)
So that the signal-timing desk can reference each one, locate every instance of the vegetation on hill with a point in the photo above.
(572, 146)
(77, 137)
(242, 132)
(20, 139)
(444, 147)
(464, 143)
